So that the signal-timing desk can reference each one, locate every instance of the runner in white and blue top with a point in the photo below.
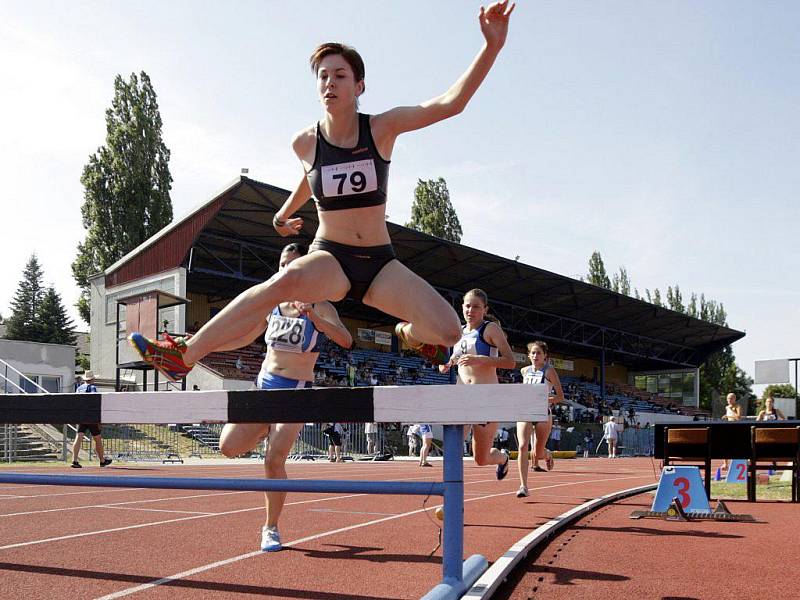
(482, 350)
(294, 333)
(539, 372)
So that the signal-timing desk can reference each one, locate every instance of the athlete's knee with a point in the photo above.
(451, 332)
(275, 467)
(228, 449)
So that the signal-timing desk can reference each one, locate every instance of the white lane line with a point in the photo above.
(159, 510)
(227, 561)
(99, 490)
(141, 525)
(85, 506)
(349, 512)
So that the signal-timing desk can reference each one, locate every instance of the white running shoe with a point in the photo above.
(270, 539)
(522, 492)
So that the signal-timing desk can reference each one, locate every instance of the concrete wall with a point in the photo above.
(34, 358)
(103, 317)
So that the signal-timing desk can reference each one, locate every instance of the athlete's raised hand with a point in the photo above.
(494, 23)
(289, 227)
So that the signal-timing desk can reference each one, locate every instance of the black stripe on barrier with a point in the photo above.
(344, 405)
(50, 408)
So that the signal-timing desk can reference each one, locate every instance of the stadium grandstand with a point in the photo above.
(614, 353)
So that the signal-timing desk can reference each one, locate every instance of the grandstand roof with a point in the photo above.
(228, 244)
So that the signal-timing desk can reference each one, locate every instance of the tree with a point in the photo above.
(57, 327)
(597, 272)
(621, 283)
(655, 298)
(126, 183)
(432, 212)
(779, 390)
(674, 299)
(23, 324)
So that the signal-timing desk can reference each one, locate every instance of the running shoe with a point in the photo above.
(165, 355)
(522, 492)
(538, 469)
(270, 539)
(438, 355)
(76, 465)
(502, 470)
(106, 462)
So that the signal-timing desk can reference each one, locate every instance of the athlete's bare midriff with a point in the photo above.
(355, 227)
(477, 375)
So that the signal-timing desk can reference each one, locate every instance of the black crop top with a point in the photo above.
(343, 178)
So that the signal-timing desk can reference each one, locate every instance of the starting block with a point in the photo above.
(685, 484)
(737, 471)
(675, 512)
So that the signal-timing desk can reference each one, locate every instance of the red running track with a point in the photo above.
(112, 543)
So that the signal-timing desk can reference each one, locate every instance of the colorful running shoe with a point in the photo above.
(270, 539)
(165, 355)
(522, 492)
(438, 355)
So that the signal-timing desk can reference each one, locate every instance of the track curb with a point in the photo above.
(498, 572)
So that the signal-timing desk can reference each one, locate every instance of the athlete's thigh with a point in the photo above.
(243, 436)
(483, 435)
(315, 277)
(400, 292)
(281, 440)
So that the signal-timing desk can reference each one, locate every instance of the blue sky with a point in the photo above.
(663, 134)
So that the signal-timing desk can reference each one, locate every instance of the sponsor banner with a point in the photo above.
(366, 335)
(562, 364)
(383, 337)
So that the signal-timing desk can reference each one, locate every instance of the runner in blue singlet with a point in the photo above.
(482, 350)
(294, 332)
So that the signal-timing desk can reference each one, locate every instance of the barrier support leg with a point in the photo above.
(457, 575)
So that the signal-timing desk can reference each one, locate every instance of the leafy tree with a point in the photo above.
(432, 212)
(691, 309)
(57, 327)
(23, 324)
(597, 272)
(675, 299)
(620, 282)
(126, 183)
(654, 298)
(779, 390)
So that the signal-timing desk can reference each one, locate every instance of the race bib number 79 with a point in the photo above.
(346, 179)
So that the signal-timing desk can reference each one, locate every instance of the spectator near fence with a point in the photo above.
(93, 429)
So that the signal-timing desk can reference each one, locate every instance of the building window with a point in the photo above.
(50, 383)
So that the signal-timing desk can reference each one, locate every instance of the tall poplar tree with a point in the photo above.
(432, 212)
(597, 272)
(126, 183)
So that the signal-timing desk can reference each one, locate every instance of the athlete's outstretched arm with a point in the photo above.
(326, 319)
(283, 221)
(494, 26)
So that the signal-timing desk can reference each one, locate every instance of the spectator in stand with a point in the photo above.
(610, 434)
(294, 334)
(733, 412)
(373, 379)
(770, 413)
(93, 429)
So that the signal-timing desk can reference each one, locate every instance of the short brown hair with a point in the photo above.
(349, 53)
